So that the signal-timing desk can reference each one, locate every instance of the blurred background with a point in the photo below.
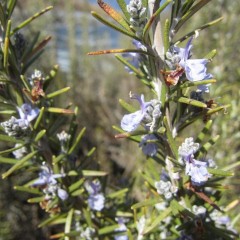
(99, 81)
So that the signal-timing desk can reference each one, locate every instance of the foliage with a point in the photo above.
(183, 187)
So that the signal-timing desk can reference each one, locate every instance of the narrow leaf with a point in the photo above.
(120, 193)
(205, 131)
(190, 13)
(6, 45)
(220, 172)
(59, 110)
(39, 118)
(19, 164)
(157, 220)
(91, 173)
(153, 17)
(121, 30)
(68, 222)
(189, 101)
(10, 139)
(166, 35)
(123, 6)
(205, 148)
(40, 135)
(26, 22)
(149, 202)
(58, 92)
(114, 14)
(27, 189)
(79, 137)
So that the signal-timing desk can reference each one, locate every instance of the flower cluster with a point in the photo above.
(19, 127)
(96, 199)
(149, 114)
(178, 60)
(47, 181)
(197, 170)
(137, 13)
(166, 188)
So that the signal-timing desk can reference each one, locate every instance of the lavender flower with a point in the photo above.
(166, 188)
(131, 121)
(197, 170)
(122, 228)
(96, 199)
(28, 113)
(20, 152)
(188, 148)
(148, 145)
(137, 13)
(195, 69)
(48, 180)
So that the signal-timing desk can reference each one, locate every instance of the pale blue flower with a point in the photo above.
(131, 121)
(195, 69)
(28, 113)
(122, 228)
(50, 185)
(96, 199)
(149, 148)
(198, 172)
(46, 176)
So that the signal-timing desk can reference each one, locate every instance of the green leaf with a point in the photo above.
(148, 179)
(58, 92)
(6, 45)
(52, 219)
(199, 29)
(197, 83)
(130, 66)
(153, 18)
(220, 172)
(120, 193)
(36, 199)
(59, 110)
(149, 202)
(189, 101)
(177, 208)
(166, 35)
(205, 131)
(211, 54)
(190, 13)
(10, 7)
(157, 220)
(2, 16)
(6, 138)
(78, 139)
(90, 153)
(92, 173)
(114, 14)
(28, 189)
(68, 223)
(127, 106)
(40, 135)
(121, 30)
(205, 148)
(108, 229)
(123, 6)
(11, 161)
(39, 118)
(76, 185)
(26, 22)
(19, 164)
